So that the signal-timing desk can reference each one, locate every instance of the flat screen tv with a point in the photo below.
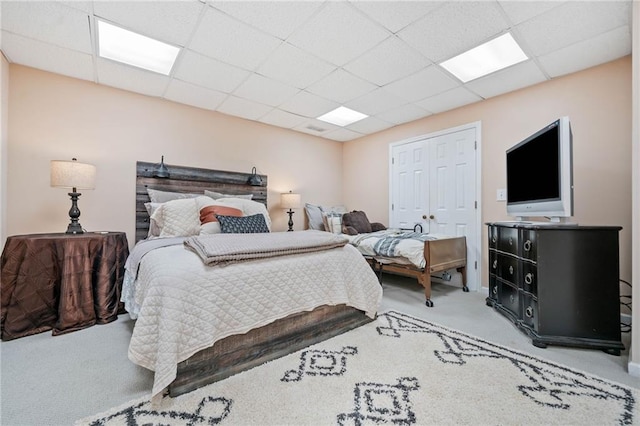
(540, 174)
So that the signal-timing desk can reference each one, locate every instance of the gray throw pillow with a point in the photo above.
(243, 225)
(314, 214)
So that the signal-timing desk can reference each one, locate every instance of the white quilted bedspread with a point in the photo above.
(186, 306)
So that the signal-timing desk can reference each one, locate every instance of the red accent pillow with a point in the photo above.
(208, 213)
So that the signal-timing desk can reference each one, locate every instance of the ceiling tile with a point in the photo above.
(243, 108)
(295, 67)
(604, 48)
(573, 22)
(168, 21)
(449, 100)
(278, 18)
(395, 15)
(454, 28)
(425, 83)
(338, 33)
(265, 90)
(403, 114)
(203, 71)
(190, 94)
(125, 77)
(389, 61)
(308, 105)
(342, 135)
(513, 78)
(341, 86)
(284, 119)
(50, 22)
(369, 125)
(47, 57)
(376, 102)
(228, 40)
(520, 11)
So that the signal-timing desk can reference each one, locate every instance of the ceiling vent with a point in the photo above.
(316, 128)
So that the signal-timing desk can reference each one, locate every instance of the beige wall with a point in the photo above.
(55, 117)
(598, 102)
(634, 355)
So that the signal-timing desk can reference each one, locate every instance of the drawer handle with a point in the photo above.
(494, 264)
(511, 270)
(511, 298)
(493, 239)
(495, 289)
(528, 278)
(510, 241)
(529, 312)
(527, 245)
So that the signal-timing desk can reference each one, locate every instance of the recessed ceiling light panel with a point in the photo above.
(492, 56)
(342, 116)
(125, 46)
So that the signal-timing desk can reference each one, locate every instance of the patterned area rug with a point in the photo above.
(396, 370)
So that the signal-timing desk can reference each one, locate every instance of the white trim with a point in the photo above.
(477, 126)
(634, 352)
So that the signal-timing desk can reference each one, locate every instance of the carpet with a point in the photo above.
(396, 370)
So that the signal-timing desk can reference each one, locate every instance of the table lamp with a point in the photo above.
(290, 201)
(71, 174)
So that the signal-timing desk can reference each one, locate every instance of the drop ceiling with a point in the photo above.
(285, 63)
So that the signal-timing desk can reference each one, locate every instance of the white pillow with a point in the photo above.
(211, 227)
(154, 229)
(314, 213)
(218, 195)
(249, 208)
(178, 218)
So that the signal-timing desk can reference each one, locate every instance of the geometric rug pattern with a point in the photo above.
(397, 370)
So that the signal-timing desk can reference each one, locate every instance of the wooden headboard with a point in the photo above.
(192, 180)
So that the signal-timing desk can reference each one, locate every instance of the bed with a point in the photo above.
(191, 337)
(413, 254)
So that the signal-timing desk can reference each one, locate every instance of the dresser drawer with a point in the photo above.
(508, 268)
(508, 240)
(529, 278)
(529, 245)
(508, 297)
(493, 287)
(529, 311)
(493, 237)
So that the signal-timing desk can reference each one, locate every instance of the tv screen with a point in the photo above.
(533, 168)
(540, 175)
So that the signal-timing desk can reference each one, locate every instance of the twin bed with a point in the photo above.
(265, 296)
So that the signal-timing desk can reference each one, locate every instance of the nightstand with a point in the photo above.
(60, 282)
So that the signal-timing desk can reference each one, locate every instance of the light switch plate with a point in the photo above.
(501, 194)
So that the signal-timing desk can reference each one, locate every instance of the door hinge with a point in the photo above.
(475, 264)
(392, 206)
(475, 205)
(475, 144)
(393, 160)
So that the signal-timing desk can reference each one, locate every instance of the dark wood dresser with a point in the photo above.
(559, 283)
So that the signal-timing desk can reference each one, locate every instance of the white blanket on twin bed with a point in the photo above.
(186, 306)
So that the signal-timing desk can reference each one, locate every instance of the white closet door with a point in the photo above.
(409, 189)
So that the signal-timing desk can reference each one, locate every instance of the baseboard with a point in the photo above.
(634, 369)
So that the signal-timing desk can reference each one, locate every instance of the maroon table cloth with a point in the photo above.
(60, 282)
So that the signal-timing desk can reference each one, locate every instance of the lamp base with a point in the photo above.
(74, 213)
(290, 213)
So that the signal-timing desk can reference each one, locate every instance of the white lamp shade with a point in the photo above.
(71, 174)
(290, 200)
